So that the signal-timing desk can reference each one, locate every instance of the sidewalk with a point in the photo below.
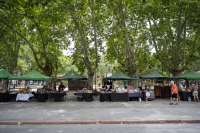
(71, 111)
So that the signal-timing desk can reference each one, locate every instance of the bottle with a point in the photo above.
(140, 99)
(189, 99)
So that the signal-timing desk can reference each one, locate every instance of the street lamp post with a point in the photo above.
(56, 60)
(96, 78)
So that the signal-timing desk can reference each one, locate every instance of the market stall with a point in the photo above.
(158, 90)
(33, 75)
(4, 92)
(118, 94)
(75, 81)
(186, 92)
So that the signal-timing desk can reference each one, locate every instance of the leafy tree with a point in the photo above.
(44, 28)
(85, 27)
(125, 33)
(174, 29)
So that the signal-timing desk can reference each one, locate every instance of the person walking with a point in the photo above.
(195, 93)
(173, 93)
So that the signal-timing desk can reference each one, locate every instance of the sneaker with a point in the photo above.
(176, 104)
(170, 103)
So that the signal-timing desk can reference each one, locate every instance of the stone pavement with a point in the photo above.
(104, 112)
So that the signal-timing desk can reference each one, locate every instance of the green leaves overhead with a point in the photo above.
(122, 30)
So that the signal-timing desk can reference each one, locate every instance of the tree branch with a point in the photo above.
(155, 44)
(41, 33)
(118, 57)
(86, 58)
(95, 36)
(6, 46)
(36, 59)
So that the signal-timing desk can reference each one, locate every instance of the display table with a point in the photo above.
(57, 96)
(23, 97)
(119, 97)
(3, 97)
(12, 95)
(41, 97)
(86, 96)
(105, 97)
(184, 95)
(151, 98)
(78, 94)
(135, 96)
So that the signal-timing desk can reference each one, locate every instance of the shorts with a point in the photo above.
(195, 93)
(174, 95)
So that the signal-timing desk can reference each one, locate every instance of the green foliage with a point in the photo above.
(174, 32)
(43, 28)
(119, 82)
(99, 83)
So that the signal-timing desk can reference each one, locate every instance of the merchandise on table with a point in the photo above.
(85, 95)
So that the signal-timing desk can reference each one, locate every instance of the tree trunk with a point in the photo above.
(90, 78)
(48, 72)
(133, 82)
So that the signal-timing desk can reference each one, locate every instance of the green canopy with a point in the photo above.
(33, 75)
(189, 75)
(156, 75)
(72, 75)
(4, 74)
(120, 76)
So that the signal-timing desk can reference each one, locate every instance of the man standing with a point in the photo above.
(195, 92)
(173, 93)
(61, 87)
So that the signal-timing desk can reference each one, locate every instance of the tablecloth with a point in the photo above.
(22, 97)
(41, 97)
(86, 96)
(119, 97)
(136, 94)
(105, 97)
(3, 97)
(12, 96)
(57, 96)
(184, 95)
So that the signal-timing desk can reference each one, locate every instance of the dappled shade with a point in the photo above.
(190, 75)
(120, 76)
(33, 75)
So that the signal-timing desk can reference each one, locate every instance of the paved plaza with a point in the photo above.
(70, 109)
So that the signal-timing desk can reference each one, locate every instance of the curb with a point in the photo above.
(139, 121)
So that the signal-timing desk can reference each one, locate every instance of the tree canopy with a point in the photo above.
(122, 33)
